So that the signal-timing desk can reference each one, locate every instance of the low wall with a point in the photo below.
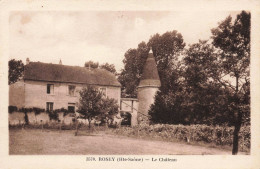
(39, 118)
(16, 118)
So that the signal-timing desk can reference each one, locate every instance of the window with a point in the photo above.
(71, 107)
(72, 90)
(49, 106)
(103, 90)
(50, 88)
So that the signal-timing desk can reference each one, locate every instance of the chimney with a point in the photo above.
(27, 61)
(60, 63)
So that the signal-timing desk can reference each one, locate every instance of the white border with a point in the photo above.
(184, 161)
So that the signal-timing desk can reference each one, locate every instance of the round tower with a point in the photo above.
(147, 88)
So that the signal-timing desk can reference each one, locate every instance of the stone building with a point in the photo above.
(56, 86)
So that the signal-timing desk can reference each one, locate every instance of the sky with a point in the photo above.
(75, 37)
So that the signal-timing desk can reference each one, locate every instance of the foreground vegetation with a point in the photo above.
(55, 142)
(196, 134)
(216, 136)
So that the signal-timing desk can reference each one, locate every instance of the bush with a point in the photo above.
(12, 109)
(37, 110)
(65, 111)
(53, 115)
(55, 125)
(216, 135)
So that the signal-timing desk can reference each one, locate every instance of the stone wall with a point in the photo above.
(16, 118)
(39, 118)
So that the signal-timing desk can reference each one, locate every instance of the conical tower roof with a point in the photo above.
(150, 76)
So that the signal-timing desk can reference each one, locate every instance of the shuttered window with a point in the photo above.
(49, 106)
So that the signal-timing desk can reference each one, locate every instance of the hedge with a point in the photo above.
(52, 114)
(55, 125)
(217, 135)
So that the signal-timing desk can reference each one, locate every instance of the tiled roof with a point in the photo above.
(150, 75)
(71, 74)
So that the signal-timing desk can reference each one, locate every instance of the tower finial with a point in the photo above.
(60, 62)
(27, 61)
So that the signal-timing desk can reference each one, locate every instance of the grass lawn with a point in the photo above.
(47, 142)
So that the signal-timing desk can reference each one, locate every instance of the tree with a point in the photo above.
(133, 66)
(190, 95)
(109, 67)
(202, 92)
(169, 108)
(205, 78)
(16, 68)
(233, 41)
(166, 49)
(193, 99)
(91, 64)
(90, 103)
(168, 104)
(109, 108)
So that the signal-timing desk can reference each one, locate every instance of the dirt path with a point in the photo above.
(31, 141)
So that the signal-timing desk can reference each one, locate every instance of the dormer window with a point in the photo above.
(50, 88)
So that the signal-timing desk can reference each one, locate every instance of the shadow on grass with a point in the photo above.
(88, 133)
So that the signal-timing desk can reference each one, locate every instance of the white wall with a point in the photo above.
(146, 96)
(16, 94)
(36, 94)
(130, 105)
